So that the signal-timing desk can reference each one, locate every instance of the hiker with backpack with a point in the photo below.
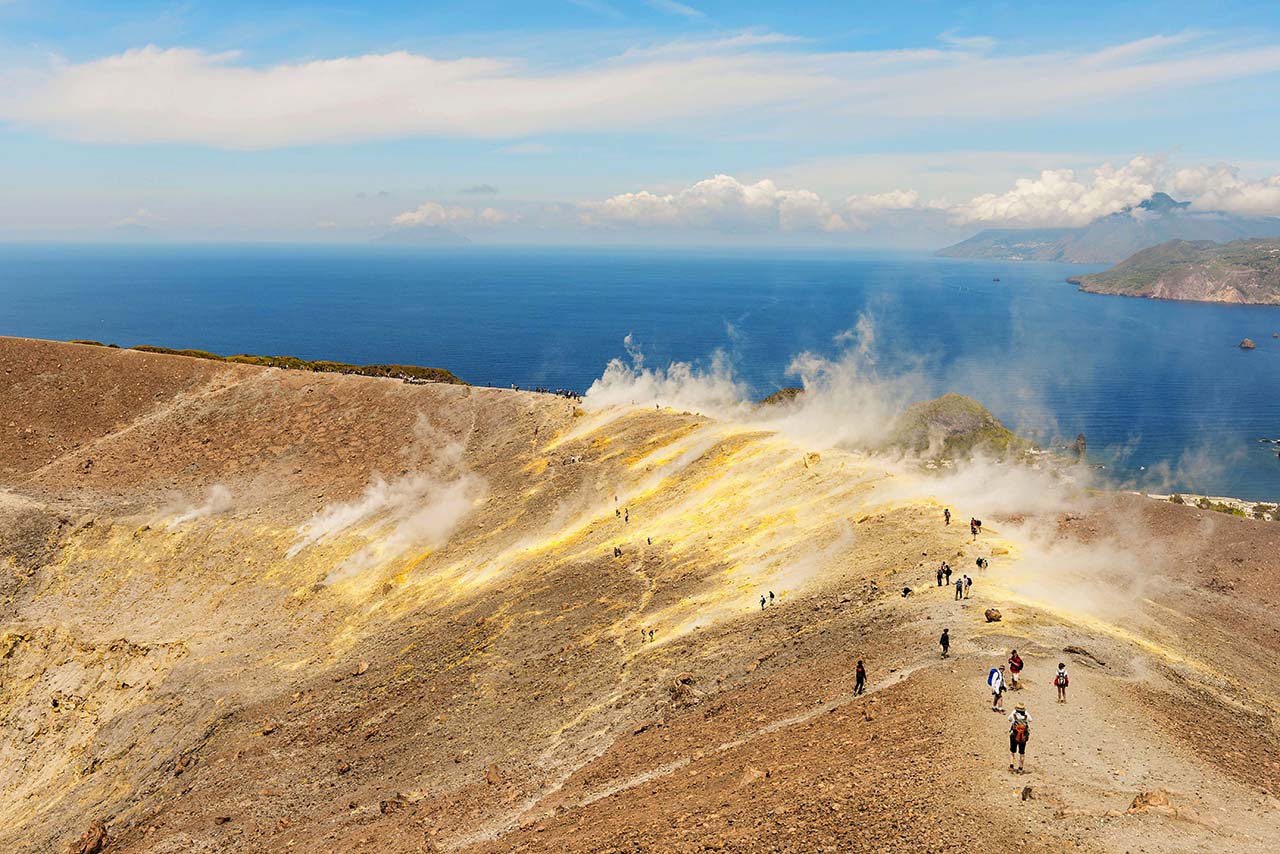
(1015, 667)
(995, 681)
(959, 588)
(1060, 682)
(1019, 733)
(860, 679)
(946, 572)
(945, 642)
(946, 515)
(968, 582)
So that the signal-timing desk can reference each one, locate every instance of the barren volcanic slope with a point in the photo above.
(250, 609)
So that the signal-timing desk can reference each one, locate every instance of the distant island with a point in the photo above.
(1113, 238)
(1243, 271)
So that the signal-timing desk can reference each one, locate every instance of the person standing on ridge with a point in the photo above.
(1019, 733)
(1015, 667)
(945, 642)
(995, 681)
(1060, 682)
(946, 515)
(860, 679)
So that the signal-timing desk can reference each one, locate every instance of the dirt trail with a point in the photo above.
(473, 677)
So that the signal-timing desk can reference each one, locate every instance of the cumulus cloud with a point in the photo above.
(720, 202)
(140, 217)
(183, 95)
(1221, 188)
(434, 215)
(1058, 198)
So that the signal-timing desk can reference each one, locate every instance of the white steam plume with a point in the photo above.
(217, 499)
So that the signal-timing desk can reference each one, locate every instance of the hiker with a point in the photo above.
(1019, 733)
(617, 512)
(946, 514)
(643, 636)
(906, 591)
(649, 540)
(626, 515)
(959, 589)
(973, 528)
(968, 582)
(995, 681)
(617, 552)
(946, 572)
(981, 563)
(770, 597)
(1015, 667)
(761, 603)
(1060, 682)
(860, 679)
(940, 574)
(650, 634)
(945, 642)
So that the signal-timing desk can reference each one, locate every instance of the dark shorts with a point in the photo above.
(1014, 747)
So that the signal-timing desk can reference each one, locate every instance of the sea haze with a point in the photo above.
(1151, 384)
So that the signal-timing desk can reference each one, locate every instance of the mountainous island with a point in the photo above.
(1113, 238)
(1243, 271)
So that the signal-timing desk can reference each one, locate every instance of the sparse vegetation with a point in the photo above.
(954, 426)
(293, 363)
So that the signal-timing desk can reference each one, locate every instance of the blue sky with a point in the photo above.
(594, 121)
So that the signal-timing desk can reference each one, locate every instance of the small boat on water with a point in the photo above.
(996, 279)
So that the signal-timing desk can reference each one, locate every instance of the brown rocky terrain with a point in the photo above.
(252, 609)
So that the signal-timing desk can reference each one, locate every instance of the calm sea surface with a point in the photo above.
(1162, 392)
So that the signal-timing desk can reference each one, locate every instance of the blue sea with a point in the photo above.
(1163, 394)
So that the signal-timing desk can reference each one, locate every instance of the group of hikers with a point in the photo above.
(567, 394)
(1019, 720)
(963, 583)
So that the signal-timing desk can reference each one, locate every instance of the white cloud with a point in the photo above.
(1057, 198)
(719, 203)
(674, 8)
(1221, 188)
(745, 82)
(141, 216)
(434, 215)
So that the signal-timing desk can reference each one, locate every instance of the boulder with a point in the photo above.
(92, 841)
(992, 615)
(1247, 344)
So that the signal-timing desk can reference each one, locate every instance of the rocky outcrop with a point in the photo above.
(1246, 272)
(952, 426)
(1247, 344)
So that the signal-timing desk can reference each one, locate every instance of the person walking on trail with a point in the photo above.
(959, 589)
(995, 681)
(968, 582)
(946, 515)
(761, 603)
(945, 642)
(973, 528)
(946, 572)
(1060, 682)
(860, 679)
(1019, 733)
(940, 575)
(1015, 667)
(981, 563)
(770, 597)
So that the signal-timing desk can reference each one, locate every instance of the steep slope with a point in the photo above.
(249, 609)
(1245, 271)
(1113, 238)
